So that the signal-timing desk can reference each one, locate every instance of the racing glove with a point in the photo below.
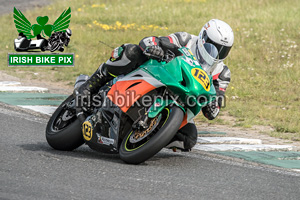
(211, 110)
(154, 52)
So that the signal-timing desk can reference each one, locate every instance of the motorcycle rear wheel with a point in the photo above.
(135, 151)
(54, 46)
(63, 131)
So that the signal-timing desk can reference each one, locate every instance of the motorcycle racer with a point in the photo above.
(128, 57)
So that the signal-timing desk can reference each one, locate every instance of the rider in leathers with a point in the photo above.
(128, 57)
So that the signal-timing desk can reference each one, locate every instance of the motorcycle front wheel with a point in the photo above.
(63, 131)
(138, 146)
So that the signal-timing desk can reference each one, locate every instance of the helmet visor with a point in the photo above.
(222, 50)
(207, 55)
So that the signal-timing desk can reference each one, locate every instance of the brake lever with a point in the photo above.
(169, 56)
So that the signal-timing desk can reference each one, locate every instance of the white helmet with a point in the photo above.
(219, 34)
(68, 32)
(215, 37)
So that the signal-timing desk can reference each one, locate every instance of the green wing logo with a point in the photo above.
(62, 22)
(22, 24)
(31, 31)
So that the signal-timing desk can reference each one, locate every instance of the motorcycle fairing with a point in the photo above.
(178, 78)
(127, 90)
(106, 127)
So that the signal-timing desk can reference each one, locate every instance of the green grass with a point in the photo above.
(264, 60)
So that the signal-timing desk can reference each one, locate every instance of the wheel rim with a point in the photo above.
(132, 142)
(63, 119)
(55, 46)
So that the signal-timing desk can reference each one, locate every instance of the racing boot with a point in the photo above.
(185, 139)
(84, 92)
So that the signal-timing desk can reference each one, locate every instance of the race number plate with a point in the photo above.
(201, 76)
(87, 130)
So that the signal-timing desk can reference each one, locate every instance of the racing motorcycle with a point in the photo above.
(138, 114)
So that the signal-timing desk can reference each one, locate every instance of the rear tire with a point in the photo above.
(67, 138)
(167, 129)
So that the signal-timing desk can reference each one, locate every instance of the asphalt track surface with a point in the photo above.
(30, 169)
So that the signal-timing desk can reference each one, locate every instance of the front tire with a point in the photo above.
(138, 152)
(65, 134)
